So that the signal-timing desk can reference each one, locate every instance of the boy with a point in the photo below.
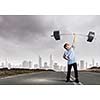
(69, 55)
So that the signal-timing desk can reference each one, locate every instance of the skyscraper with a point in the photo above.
(86, 65)
(40, 62)
(93, 62)
(6, 63)
(36, 66)
(25, 64)
(9, 65)
(2, 65)
(45, 65)
(51, 61)
(81, 64)
(97, 64)
(30, 64)
(56, 66)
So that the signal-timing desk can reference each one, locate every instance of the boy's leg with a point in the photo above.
(75, 71)
(68, 72)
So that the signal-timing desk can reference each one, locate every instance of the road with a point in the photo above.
(89, 78)
(51, 78)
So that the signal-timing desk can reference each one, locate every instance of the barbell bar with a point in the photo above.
(90, 36)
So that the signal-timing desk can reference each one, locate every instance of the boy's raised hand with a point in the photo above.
(74, 38)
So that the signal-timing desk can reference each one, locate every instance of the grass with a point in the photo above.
(4, 72)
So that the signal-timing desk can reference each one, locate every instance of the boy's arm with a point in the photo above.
(74, 40)
(64, 56)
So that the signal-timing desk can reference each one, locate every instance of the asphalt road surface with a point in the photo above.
(51, 78)
(89, 78)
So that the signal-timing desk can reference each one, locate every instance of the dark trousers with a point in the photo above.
(75, 71)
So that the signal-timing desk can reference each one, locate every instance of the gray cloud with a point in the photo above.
(29, 36)
(22, 27)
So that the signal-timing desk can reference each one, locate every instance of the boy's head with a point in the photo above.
(67, 46)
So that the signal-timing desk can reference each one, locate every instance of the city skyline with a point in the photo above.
(44, 64)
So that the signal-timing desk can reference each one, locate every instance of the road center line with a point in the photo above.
(73, 82)
(80, 83)
(73, 78)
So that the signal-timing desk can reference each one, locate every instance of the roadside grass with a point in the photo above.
(4, 72)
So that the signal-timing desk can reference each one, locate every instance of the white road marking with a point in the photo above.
(73, 78)
(73, 82)
(80, 83)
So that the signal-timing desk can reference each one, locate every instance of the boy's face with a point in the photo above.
(68, 46)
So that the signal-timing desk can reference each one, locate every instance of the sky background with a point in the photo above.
(25, 37)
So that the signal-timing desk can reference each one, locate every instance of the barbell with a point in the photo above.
(90, 36)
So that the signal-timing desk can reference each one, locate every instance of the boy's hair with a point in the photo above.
(65, 45)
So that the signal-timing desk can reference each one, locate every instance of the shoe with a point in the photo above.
(77, 81)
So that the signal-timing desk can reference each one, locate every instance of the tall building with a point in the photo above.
(51, 61)
(40, 62)
(2, 65)
(81, 64)
(86, 65)
(97, 64)
(25, 64)
(56, 66)
(36, 66)
(93, 62)
(46, 65)
(6, 63)
(60, 68)
(64, 68)
(9, 65)
(30, 64)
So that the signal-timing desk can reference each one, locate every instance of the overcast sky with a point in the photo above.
(28, 36)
